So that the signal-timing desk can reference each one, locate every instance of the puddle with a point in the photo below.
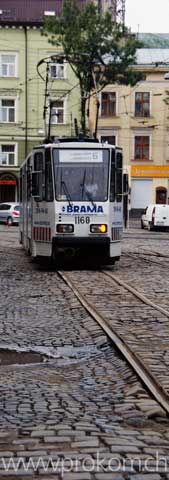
(11, 357)
(14, 355)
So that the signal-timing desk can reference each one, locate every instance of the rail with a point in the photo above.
(132, 358)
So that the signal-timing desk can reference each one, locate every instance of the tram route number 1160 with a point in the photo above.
(81, 219)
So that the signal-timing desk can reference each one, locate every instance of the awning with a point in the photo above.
(7, 182)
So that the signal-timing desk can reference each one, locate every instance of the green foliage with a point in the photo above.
(98, 51)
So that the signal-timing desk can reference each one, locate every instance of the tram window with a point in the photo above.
(48, 178)
(20, 187)
(28, 180)
(24, 184)
(38, 176)
(79, 180)
(119, 177)
(38, 161)
(112, 177)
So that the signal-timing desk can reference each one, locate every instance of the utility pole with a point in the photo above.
(46, 99)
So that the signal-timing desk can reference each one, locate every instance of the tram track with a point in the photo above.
(144, 256)
(132, 352)
(145, 235)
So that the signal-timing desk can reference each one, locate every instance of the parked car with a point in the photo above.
(156, 216)
(9, 213)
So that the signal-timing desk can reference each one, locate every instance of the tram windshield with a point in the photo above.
(81, 174)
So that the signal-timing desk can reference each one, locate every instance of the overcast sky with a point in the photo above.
(148, 15)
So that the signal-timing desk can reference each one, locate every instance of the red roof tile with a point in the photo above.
(28, 11)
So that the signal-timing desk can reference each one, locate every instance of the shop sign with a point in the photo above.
(7, 182)
(152, 171)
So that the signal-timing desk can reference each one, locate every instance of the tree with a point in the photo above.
(98, 51)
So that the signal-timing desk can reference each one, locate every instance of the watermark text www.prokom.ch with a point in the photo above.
(88, 463)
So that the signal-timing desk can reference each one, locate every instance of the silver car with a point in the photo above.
(9, 213)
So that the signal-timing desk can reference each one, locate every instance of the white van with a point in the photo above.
(155, 216)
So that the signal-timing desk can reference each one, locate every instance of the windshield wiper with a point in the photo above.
(67, 192)
(89, 196)
(84, 189)
(82, 185)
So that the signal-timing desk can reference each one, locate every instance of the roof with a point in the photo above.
(150, 56)
(28, 11)
(154, 40)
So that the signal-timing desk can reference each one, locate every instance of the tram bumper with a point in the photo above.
(81, 246)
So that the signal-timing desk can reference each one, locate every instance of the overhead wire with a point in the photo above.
(62, 96)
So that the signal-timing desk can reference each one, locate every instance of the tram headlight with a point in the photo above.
(64, 228)
(98, 228)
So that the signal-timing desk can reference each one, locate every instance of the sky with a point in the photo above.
(150, 16)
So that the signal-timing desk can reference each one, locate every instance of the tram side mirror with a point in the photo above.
(125, 184)
(37, 186)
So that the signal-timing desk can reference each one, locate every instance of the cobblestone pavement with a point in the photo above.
(82, 414)
(153, 263)
(144, 328)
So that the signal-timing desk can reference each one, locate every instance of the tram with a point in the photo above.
(71, 201)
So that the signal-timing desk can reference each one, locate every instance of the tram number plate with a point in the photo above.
(81, 219)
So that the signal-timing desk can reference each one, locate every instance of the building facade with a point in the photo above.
(115, 7)
(137, 119)
(22, 90)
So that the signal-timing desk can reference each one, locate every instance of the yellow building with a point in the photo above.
(137, 119)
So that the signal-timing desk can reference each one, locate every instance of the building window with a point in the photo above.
(108, 104)
(7, 110)
(57, 69)
(142, 104)
(7, 65)
(142, 148)
(57, 112)
(7, 154)
(109, 138)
